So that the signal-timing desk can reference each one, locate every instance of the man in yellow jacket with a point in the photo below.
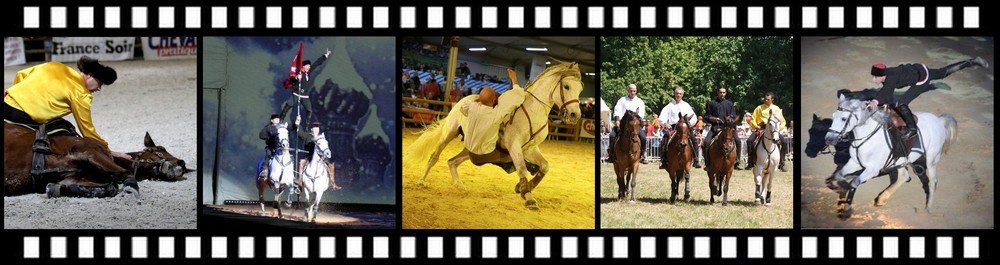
(758, 121)
(44, 93)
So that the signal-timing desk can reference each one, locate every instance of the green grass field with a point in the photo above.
(653, 209)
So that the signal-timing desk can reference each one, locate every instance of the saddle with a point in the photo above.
(900, 147)
(41, 146)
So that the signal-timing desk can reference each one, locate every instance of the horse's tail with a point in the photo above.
(951, 126)
(420, 150)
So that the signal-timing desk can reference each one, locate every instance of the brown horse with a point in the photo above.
(722, 157)
(627, 152)
(679, 155)
(82, 167)
(78, 166)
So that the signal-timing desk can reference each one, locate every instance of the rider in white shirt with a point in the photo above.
(669, 116)
(632, 102)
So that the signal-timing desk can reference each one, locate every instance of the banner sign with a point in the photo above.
(70, 49)
(168, 48)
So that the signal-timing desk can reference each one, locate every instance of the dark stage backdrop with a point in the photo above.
(355, 101)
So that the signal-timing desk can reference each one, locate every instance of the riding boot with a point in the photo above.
(642, 156)
(955, 67)
(696, 163)
(39, 149)
(707, 152)
(611, 148)
(911, 126)
(751, 158)
(284, 109)
(663, 155)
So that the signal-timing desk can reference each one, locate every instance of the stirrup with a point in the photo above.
(39, 149)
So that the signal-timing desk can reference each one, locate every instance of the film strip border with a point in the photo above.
(652, 17)
(504, 247)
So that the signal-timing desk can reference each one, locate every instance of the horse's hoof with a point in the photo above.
(768, 204)
(52, 190)
(758, 201)
(846, 214)
(687, 198)
(879, 202)
(725, 203)
(531, 204)
(131, 191)
(631, 201)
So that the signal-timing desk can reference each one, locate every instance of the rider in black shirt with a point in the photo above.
(716, 110)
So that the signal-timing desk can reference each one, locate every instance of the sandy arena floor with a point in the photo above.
(565, 197)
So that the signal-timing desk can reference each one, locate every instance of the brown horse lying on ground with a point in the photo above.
(80, 167)
(627, 152)
(679, 155)
(722, 157)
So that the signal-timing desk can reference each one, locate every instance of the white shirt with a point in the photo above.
(669, 113)
(482, 125)
(633, 104)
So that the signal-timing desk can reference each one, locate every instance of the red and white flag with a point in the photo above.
(296, 66)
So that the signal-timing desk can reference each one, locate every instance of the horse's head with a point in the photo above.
(566, 85)
(849, 115)
(322, 147)
(817, 135)
(283, 135)
(728, 131)
(630, 123)
(773, 128)
(154, 162)
(682, 129)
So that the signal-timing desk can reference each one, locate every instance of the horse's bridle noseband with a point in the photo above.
(562, 98)
(157, 163)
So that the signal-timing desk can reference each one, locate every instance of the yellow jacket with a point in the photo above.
(760, 115)
(50, 91)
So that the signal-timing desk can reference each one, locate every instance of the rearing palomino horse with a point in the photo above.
(557, 86)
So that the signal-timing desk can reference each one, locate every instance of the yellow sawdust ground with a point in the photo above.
(565, 197)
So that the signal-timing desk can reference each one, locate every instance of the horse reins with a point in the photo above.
(562, 108)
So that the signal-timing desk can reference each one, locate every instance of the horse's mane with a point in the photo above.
(559, 68)
(627, 120)
(858, 106)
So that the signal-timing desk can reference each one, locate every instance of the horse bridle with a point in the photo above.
(843, 130)
(562, 97)
(725, 150)
(158, 162)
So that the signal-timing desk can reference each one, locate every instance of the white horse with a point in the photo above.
(315, 178)
(558, 86)
(871, 150)
(768, 157)
(281, 171)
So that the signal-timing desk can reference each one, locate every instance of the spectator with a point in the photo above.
(431, 90)
(463, 70)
